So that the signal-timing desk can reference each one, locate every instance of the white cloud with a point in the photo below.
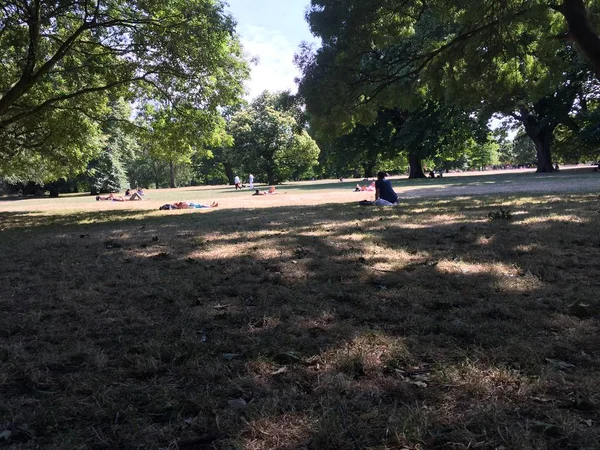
(275, 70)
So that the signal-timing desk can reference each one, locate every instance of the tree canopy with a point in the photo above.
(61, 60)
(270, 139)
(485, 56)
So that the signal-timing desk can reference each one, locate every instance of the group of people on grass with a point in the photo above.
(238, 184)
(384, 195)
(130, 195)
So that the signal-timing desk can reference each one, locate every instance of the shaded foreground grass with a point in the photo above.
(317, 327)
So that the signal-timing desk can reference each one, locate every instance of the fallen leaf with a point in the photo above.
(219, 306)
(237, 403)
(421, 377)
(43, 393)
(370, 415)
(546, 428)
(562, 365)
(279, 371)
(230, 356)
(418, 383)
(541, 399)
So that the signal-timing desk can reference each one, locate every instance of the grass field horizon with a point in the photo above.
(305, 321)
(571, 179)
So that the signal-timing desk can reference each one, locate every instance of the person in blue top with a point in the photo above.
(384, 192)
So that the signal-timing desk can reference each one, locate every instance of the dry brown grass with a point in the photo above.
(427, 326)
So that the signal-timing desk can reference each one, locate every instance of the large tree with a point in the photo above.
(270, 139)
(174, 136)
(476, 54)
(106, 173)
(60, 59)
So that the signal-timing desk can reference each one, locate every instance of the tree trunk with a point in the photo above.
(368, 168)
(416, 166)
(271, 177)
(542, 146)
(581, 31)
(171, 175)
(541, 135)
(228, 172)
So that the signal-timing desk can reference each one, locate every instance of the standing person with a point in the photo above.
(384, 192)
(251, 181)
(238, 184)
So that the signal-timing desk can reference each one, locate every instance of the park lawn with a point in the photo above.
(310, 326)
(577, 179)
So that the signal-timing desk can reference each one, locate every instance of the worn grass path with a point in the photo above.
(317, 324)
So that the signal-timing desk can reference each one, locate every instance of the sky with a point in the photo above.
(271, 31)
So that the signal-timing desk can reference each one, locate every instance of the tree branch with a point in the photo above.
(5, 123)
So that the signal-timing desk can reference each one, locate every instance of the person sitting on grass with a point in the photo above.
(271, 191)
(384, 192)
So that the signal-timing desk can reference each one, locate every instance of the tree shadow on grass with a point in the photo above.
(318, 327)
(16, 198)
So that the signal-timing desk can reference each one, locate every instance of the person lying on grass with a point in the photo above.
(187, 205)
(384, 193)
(271, 191)
(369, 188)
(121, 198)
